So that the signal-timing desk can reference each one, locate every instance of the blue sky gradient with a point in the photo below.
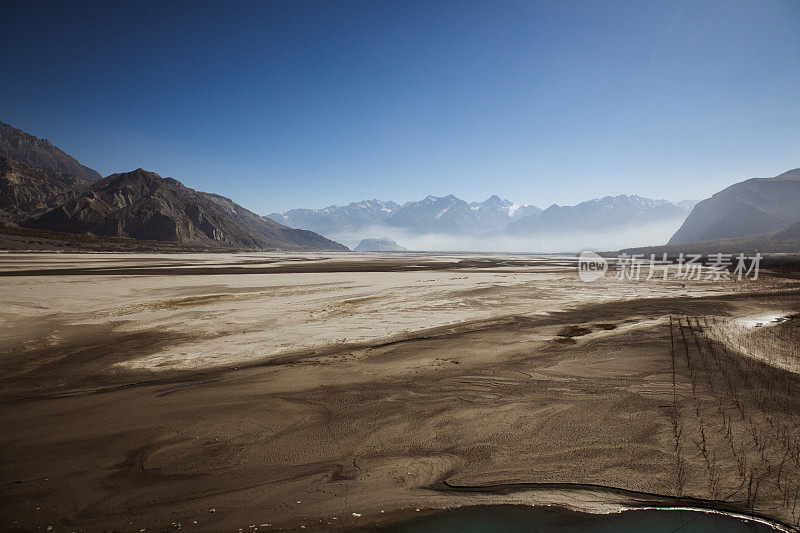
(304, 104)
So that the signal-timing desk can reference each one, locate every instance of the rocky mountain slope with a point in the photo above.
(47, 197)
(792, 233)
(143, 205)
(29, 150)
(752, 207)
(786, 241)
(27, 190)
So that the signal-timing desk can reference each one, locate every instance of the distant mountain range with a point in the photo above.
(432, 214)
(337, 219)
(484, 225)
(607, 212)
(51, 192)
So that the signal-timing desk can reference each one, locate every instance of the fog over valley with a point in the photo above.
(451, 224)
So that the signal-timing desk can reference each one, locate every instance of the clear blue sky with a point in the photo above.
(305, 104)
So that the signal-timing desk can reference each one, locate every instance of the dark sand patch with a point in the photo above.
(574, 331)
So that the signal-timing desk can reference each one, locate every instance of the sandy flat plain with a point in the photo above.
(269, 391)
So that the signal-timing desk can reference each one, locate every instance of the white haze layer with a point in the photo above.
(615, 238)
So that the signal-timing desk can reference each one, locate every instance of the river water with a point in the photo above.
(521, 518)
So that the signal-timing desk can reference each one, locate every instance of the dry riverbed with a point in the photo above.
(227, 391)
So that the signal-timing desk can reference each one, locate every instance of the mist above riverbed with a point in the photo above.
(614, 238)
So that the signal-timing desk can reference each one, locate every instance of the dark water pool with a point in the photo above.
(521, 518)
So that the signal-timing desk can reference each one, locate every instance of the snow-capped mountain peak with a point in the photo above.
(449, 215)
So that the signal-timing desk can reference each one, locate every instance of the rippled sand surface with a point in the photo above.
(140, 391)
